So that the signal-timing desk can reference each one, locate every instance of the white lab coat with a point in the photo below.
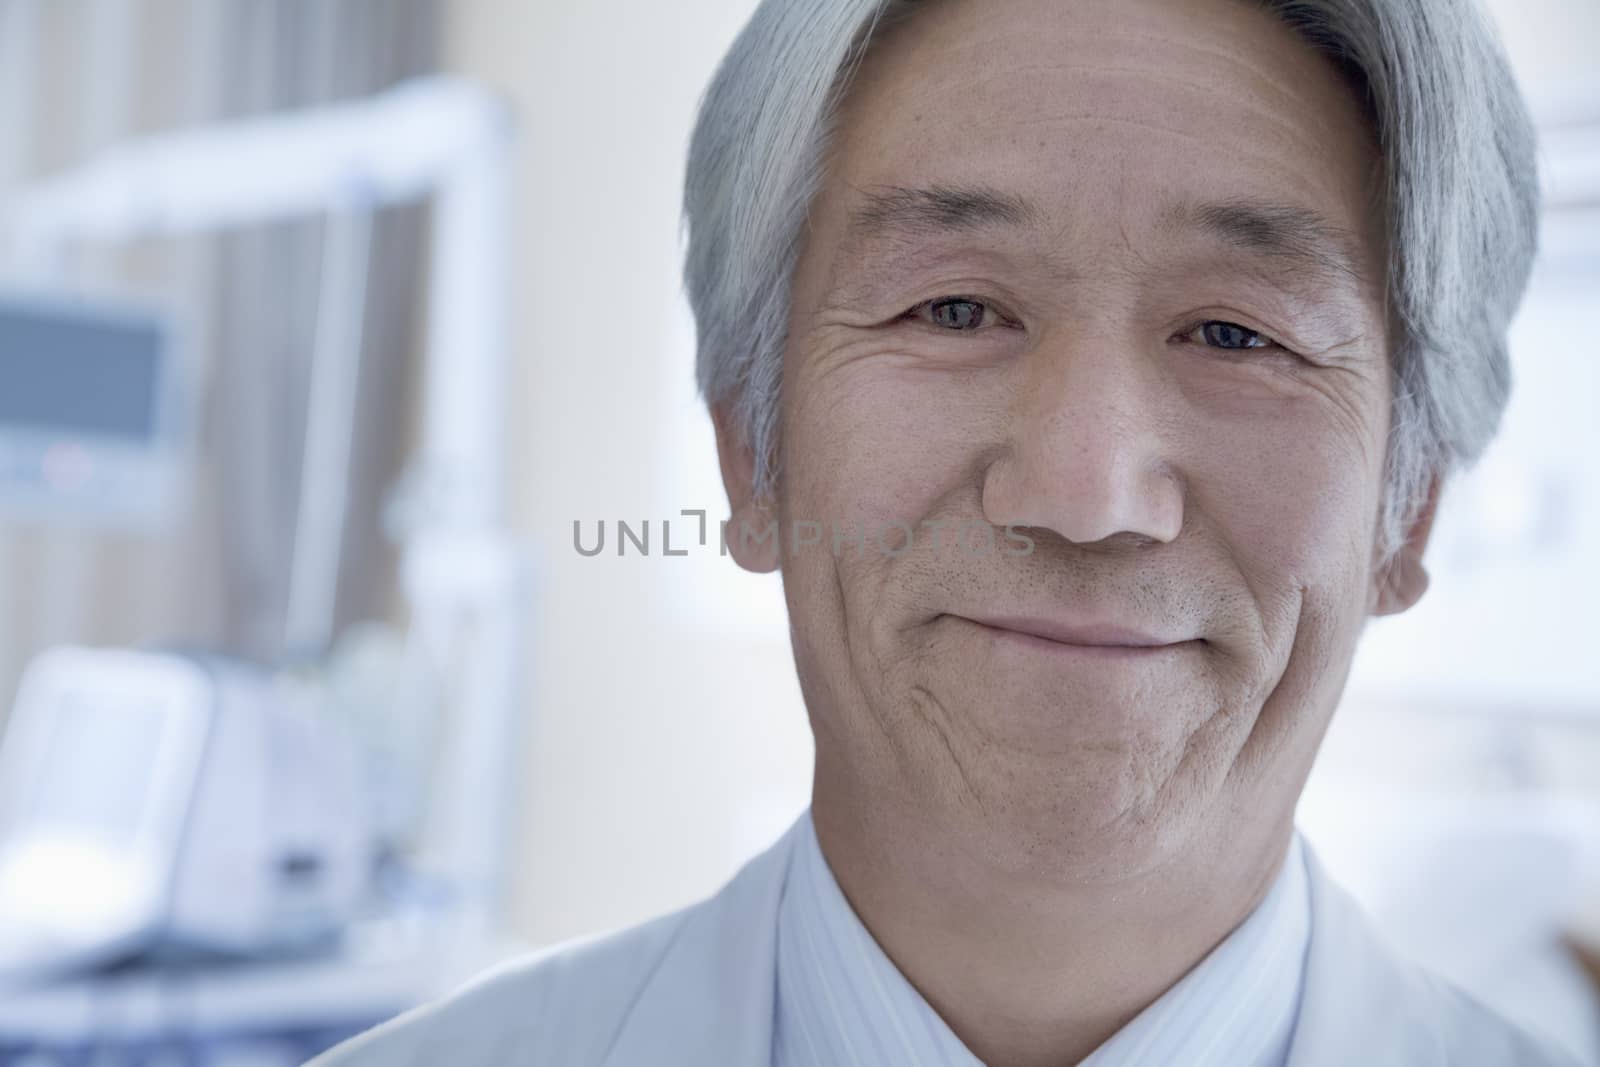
(695, 989)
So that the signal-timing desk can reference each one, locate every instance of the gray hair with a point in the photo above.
(1462, 195)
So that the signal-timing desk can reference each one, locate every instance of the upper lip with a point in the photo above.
(1076, 633)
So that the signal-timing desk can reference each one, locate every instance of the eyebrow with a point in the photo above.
(938, 209)
(1302, 243)
(1300, 239)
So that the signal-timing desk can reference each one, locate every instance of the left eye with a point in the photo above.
(957, 314)
(1229, 335)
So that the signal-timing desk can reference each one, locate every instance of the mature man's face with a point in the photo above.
(1109, 272)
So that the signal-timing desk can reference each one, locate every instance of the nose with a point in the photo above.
(1088, 452)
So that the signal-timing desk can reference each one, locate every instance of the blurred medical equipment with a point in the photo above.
(171, 803)
(89, 422)
(464, 581)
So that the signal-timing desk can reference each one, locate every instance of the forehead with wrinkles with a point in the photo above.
(1033, 125)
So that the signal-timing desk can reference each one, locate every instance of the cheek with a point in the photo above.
(1293, 494)
(873, 443)
(871, 449)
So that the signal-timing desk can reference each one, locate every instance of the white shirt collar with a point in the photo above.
(841, 1001)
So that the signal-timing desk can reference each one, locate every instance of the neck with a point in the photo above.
(1028, 971)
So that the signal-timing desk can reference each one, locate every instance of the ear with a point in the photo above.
(749, 520)
(1402, 583)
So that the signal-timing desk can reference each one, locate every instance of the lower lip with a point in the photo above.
(1020, 639)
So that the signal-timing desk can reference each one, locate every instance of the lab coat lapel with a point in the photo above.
(1359, 1003)
(712, 997)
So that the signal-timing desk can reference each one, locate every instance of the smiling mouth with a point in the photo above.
(1100, 643)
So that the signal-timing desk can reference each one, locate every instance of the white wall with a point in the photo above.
(667, 739)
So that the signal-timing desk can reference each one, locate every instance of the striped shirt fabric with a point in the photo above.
(841, 1002)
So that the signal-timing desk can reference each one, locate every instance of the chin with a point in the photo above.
(1084, 814)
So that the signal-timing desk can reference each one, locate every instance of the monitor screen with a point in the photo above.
(79, 373)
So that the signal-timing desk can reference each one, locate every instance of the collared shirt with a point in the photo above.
(843, 1003)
